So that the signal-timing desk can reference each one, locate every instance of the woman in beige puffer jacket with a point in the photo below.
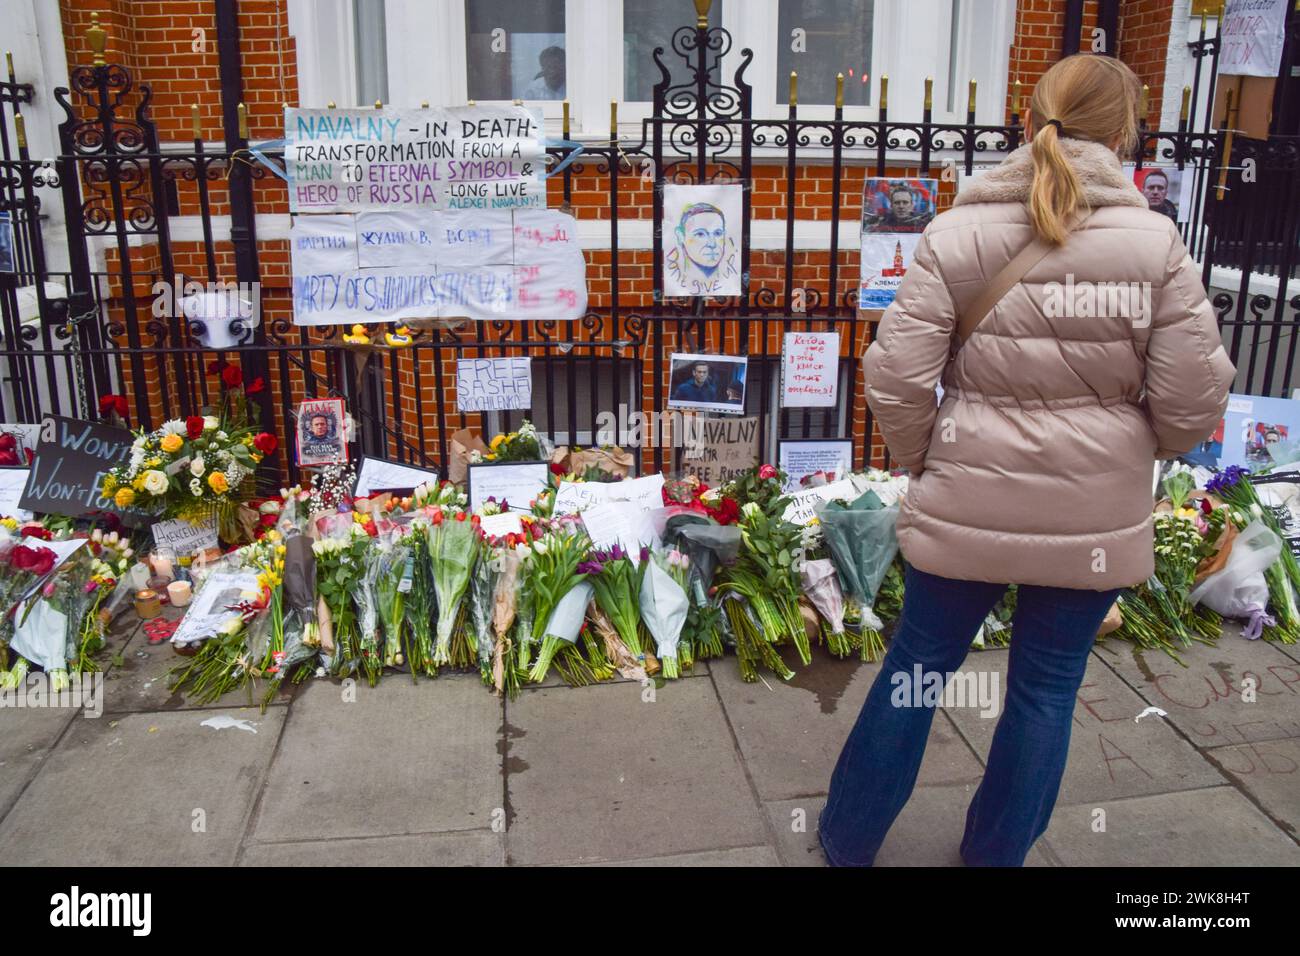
(1036, 466)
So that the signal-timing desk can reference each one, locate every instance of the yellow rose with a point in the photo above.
(171, 443)
(497, 442)
(124, 497)
(217, 482)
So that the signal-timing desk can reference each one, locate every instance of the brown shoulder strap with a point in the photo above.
(1011, 273)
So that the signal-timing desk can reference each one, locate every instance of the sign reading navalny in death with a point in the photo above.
(469, 157)
(419, 214)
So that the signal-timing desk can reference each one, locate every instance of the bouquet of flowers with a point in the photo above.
(707, 544)
(765, 576)
(664, 606)
(553, 573)
(341, 563)
(616, 579)
(25, 567)
(196, 468)
(453, 546)
(421, 602)
(50, 620)
(862, 541)
(522, 445)
(392, 584)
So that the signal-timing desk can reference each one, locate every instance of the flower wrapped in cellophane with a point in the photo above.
(553, 573)
(862, 540)
(341, 563)
(664, 606)
(453, 548)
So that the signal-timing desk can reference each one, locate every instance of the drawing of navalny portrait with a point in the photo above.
(701, 230)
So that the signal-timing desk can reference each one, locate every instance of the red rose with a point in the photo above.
(21, 557)
(36, 531)
(215, 367)
(558, 469)
(268, 521)
(232, 376)
(257, 385)
(765, 472)
(114, 403)
(8, 442)
(266, 443)
(8, 458)
(194, 426)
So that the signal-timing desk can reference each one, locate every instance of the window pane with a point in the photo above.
(651, 23)
(372, 53)
(834, 37)
(515, 49)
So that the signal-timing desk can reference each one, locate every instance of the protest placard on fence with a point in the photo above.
(67, 474)
(810, 369)
(489, 384)
(726, 447)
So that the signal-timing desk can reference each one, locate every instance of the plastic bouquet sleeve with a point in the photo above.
(664, 606)
(566, 620)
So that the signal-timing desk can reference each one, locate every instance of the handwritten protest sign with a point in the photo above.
(1252, 36)
(184, 538)
(412, 264)
(487, 384)
(810, 369)
(471, 157)
(722, 449)
(67, 474)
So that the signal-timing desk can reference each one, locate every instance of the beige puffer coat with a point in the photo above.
(1036, 468)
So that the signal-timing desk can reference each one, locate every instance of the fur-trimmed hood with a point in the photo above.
(1098, 169)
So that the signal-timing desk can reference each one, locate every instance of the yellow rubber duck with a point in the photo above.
(358, 336)
(399, 338)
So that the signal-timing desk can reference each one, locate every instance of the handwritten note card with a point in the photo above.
(488, 384)
(810, 367)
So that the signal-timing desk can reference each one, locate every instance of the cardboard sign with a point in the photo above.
(184, 538)
(726, 447)
(515, 482)
(72, 458)
(376, 474)
(489, 384)
(799, 458)
(810, 369)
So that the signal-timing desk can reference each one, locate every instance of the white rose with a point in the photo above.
(197, 466)
(155, 482)
(210, 422)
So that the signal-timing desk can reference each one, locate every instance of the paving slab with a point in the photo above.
(553, 678)
(139, 683)
(128, 791)
(740, 856)
(1112, 755)
(1204, 699)
(459, 848)
(401, 758)
(603, 773)
(791, 732)
(1269, 772)
(26, 736)
(1191, 828)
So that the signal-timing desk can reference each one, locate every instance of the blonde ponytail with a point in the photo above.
(1084, 96)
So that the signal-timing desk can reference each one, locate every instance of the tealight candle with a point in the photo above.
(162, 565)
(179, 593)
(148, 604)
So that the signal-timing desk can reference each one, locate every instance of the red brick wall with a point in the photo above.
(155, 41)
(1144, 46)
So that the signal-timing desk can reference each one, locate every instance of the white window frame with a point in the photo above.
(905, 32)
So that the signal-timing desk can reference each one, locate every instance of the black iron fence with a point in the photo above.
(69, 337)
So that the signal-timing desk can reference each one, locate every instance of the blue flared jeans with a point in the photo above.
(1051, 634)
